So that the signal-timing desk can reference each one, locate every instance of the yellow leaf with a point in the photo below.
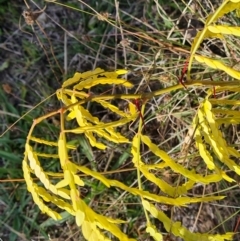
(180, 231)
(49, 143)
(135, 150)
(177, 167)
(121, 71)
(87, 84)
(102, 125)
(42, 192)
(132, 108)
(113, 108)
(180, 201)
(224, 175)
(86, 115)
(63, 97)
(63, 205)
(42, 206)
(78, 181)
(152, 230)
(113, 137)
(203, 150)
(32, 187)
(213, 136)
(80, 76)
(230, 120)
(165, 187)
(94, 174)
(63, 193)
(225, 29)
(62, 183)
(88, 231)
(216, 64)
(62, 150)
(224, 102)
(46, 155)
(80, 216)
(54, 215)
(93, 141)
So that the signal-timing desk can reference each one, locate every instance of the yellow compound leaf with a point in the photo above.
(98, 76)
(78, 113)
(224, 102)
(102, 222)
(229, 120)
(54, 215)
(180, 231)
(152, 230)
(93, 141)
(113, 108)
(47, 197)
(233, 113)
(87, 115)
(92, 233)
(177, 167)
(165, 187)
(63, 205)
(63, 97)
(102, 125)
(43, 193)
(180, 201)
(49, 143)
(81, 76)
(224, 175)
(216, 64)
(42, 206)
(204, 153)
(87, 84)
(53, 199)
(27, 175)
(213, 136)
(113, 137)
(224, 29)
(35, 166)
(94, 174)
(232, 151)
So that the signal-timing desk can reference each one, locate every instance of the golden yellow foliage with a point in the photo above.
(74, 94)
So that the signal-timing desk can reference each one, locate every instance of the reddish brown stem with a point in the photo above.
(138, 106)
(184, 70)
